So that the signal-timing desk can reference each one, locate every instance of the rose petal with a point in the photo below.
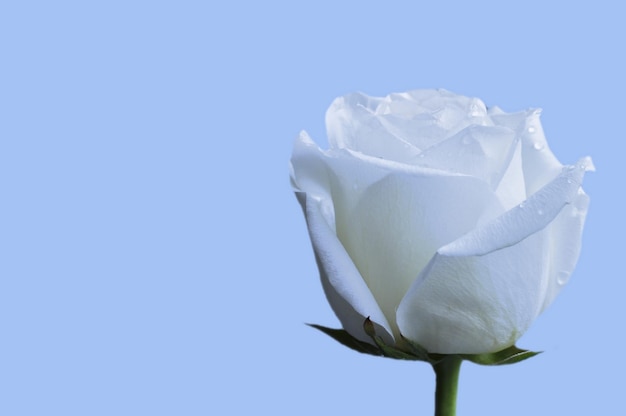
(525, 219)
(479, 151)
(309, 173)
(565, 236)
(481, 292)
(345, 289)
(352, 124)
(347, 293)
(400, 126)
(400, 222)
(511, 189)
(540, 165)
(475, 304)
(337, 176)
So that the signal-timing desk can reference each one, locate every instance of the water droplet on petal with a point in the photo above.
(562, 277)
(540, 212)
(569, 181)
(521, 205)
(538, 146)
(531, 129)
(476, 110)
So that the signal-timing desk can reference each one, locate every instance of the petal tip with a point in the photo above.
(586, 164)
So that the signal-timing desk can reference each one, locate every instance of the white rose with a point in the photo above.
(443, 221)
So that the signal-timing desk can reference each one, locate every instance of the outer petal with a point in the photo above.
(400, 222)
(565, 243)
(481, 292)
(347, 293)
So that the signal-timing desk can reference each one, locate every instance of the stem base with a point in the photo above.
(447, 372)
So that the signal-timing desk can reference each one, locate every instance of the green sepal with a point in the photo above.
(421, 352)
(508, 355)
(343, 337)
(409, 350)
(387, 350)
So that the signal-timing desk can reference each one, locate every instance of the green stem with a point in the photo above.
(447, 373)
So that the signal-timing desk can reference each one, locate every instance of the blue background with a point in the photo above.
(153, 257)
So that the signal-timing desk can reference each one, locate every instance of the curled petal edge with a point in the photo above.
(510, 229)
(347, 292)
(527, 218)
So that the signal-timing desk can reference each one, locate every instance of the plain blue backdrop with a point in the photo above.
(153, 259)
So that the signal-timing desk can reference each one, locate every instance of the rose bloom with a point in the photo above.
(444, 222)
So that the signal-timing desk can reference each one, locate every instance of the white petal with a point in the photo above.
(540, 165)
(481, 292)
(401, 220)
(345, 289)
(351, 124)
(480, 151)
(529, 217)
(476, 304)
(347, 293)
(308, 172)
(512, 188)
(565, 236)
(400, 126)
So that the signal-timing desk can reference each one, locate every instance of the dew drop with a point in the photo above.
(569, 181)
(540, 212)
(531, 129)
(562, 277)
(522, 205)
(538, 146)
(475, 110)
